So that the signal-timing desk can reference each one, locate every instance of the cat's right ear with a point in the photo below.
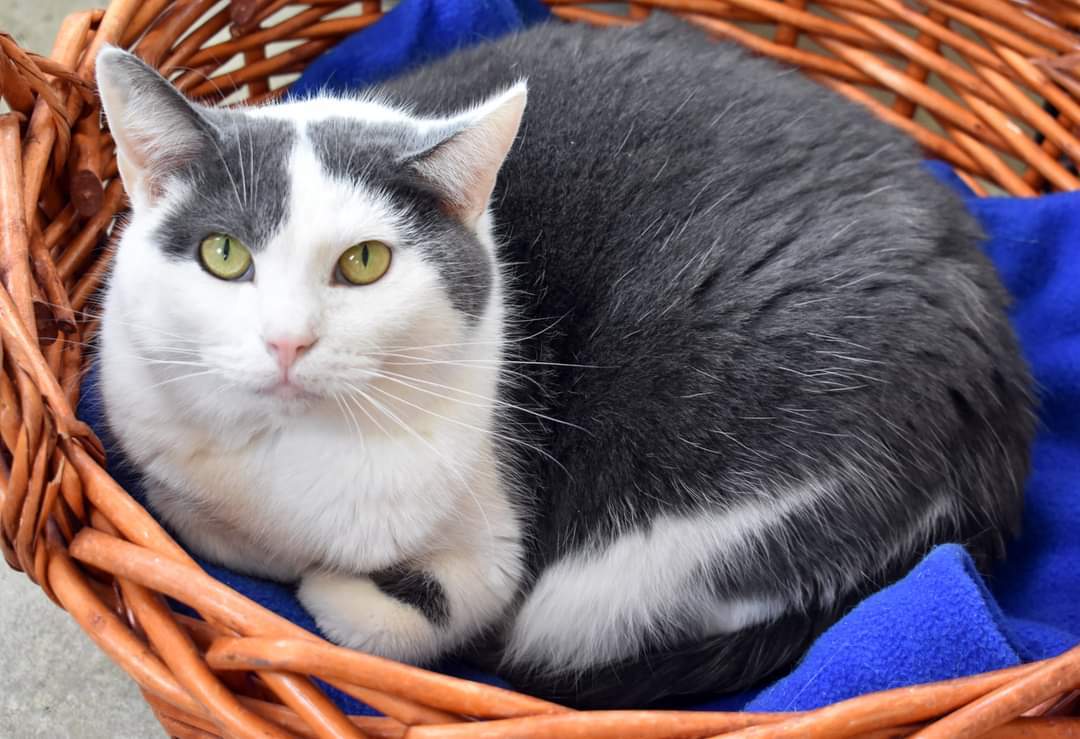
(155, 127)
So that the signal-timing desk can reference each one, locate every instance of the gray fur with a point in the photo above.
(759, 287)
(239, 185)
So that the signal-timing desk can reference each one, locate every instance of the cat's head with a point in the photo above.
(288, 252)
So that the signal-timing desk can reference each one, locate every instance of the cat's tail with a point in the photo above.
(723, 663)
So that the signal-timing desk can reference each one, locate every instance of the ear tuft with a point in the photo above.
(155, 127)
(465, 165)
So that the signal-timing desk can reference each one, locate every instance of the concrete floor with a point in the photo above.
(54, 682)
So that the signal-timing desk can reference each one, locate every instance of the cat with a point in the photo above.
(628, 391)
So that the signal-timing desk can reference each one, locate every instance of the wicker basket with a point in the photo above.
(988, 85)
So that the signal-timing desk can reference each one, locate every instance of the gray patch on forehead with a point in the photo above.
(240, 185)
(351, 150)
(373, 153)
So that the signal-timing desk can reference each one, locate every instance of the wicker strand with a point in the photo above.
(14, 237)
(990, 86)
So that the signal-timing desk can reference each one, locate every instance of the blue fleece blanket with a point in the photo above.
(942, 620)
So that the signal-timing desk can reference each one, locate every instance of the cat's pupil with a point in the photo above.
(225, 250)
(364, 255)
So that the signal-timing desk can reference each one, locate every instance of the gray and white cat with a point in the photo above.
(632, 390)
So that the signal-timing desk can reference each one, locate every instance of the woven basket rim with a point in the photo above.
(244, 670)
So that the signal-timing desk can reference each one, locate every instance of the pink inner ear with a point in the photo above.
(155, 127)
(148, 173)
(466, 165)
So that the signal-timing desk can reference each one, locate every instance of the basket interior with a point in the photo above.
(989, 86)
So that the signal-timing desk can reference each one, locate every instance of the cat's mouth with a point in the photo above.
(288, 390)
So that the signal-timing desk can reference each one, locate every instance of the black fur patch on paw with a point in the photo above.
(417, 589)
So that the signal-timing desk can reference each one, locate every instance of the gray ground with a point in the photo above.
(54, 682)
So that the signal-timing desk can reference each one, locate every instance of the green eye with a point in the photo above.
(364, 263)
(224, 257)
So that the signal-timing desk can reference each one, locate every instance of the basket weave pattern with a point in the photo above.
(991, 86)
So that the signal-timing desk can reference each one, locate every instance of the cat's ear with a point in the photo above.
(464, 165)
(155, 127)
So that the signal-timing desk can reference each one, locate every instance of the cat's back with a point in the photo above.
(643, 147)
(654, 113)
(756, 284)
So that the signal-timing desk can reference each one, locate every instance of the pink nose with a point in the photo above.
(288, 349)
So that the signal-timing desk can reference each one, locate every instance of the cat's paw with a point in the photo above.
(354, 612)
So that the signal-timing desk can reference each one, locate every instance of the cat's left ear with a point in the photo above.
(464, 165)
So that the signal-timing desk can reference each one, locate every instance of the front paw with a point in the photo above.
(354, 612)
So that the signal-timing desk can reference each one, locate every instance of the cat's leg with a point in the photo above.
(420, 610)
(352, 610)
(415, 612)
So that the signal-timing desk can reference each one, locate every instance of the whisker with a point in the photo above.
(347, 413)
(395, 377)
(365, 412)
(180, 377)
(502, 370)
(466, 361)
(505, 340)
(228, 172)
(240, 157)
(180, 363)
(454, 470)
(489, 432)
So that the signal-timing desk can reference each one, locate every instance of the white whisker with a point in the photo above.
(453, 469)
(402, 379)
(492, 433)
(181, 377)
